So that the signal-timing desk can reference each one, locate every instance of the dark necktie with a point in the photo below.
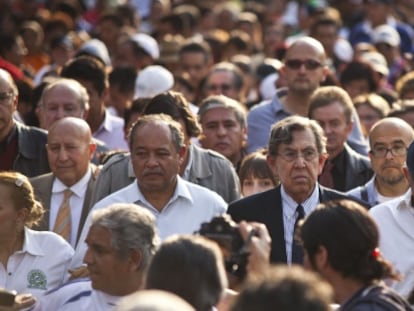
(297, 251)
(326, 179)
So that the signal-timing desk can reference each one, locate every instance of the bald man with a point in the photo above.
(66, 98)
(69, 150)
(389, 139)
(22, 148)
(304, 69)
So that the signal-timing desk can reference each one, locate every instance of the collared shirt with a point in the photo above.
(395, 220)
(111, 132)
(76, 295)
(189, 207)
(289, 206)
(39, 266)
(372, 196)
(262, 116)
(76, 203)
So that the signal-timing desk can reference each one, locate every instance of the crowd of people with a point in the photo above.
(207, 155)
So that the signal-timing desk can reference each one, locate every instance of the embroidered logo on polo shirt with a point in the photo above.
(37, 279)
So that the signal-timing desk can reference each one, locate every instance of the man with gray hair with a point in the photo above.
(297, 153)
(66, 98)
(120, 244)
(22, 148)
(223, 121)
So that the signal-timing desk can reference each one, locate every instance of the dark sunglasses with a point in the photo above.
(310, 64)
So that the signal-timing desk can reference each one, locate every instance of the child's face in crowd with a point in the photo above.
(252, 185)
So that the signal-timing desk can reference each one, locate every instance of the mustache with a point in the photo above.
(152, 172)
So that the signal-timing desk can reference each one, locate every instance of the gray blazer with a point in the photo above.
(42, 186)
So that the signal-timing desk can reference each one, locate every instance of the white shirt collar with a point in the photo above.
(290, 204)
(78, 189)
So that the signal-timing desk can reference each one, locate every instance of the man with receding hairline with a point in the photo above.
(389, 139)
(304, 69)
(69, 150)
(21, 147)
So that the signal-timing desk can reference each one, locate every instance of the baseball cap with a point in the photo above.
(153, 80)
(386, 34)
(97, 48)
(410, 157)
(148, 44)
(377, 61)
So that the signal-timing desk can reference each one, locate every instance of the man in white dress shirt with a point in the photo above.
(180, 207)
(395, 220)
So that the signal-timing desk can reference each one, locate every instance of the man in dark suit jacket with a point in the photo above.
(344, 169)
(70, 149)
(297, 153)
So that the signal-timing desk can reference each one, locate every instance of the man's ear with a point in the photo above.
(321, 258)
(181, 153)
(136, 260)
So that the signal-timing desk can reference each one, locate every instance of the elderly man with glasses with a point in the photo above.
(389, 139)
(297, 153)
(22, 148)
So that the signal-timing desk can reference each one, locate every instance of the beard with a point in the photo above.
(392, 180)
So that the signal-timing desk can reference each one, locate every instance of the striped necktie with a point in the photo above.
(63, 224)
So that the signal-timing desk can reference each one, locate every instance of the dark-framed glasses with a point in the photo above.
(396, 151)
(310, 64)
(292, 155)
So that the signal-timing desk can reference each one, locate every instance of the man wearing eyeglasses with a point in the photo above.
(389, 139)
(22, 148)
(395, 220)
(297, 153)
(303, 71)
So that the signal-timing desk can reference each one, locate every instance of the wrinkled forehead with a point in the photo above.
(6, 82)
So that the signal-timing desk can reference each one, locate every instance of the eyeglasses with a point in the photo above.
(291, 155)
(4, 97)
(310, 64)
(222, 87)
(396, 151)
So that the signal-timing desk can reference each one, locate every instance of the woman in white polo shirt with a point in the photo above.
(30, 261)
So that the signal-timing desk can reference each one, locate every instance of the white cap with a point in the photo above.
(148, 44)
(267, 87)
(153, 80)
(386, 34)
(96, 48)
(377, 61)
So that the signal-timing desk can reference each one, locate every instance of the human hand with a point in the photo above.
(80, 272)
(21, 301)
(258, 247)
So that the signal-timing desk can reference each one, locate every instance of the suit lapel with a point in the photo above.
(86, 202)
(274, 216)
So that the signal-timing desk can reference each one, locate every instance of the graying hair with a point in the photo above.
(282, 133)
(132, 227)
(72, 84)
(222, 101)
(177, 132)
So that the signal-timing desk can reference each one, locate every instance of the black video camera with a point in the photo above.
(223, 230)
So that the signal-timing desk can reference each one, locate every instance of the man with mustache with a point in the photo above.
(389, 139)
(345, 169)
(180, 207)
